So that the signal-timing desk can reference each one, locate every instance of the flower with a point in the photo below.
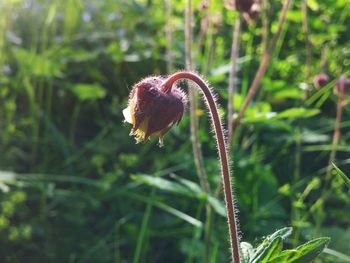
(152, 110)
(244, 5)
(321, 80)
(342, 86)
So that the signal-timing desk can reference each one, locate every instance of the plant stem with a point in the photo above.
(221, 145)
(298, 141)
(263, 66)
(332, 155)
(198, 157)
(232, 85)
(265, 26)
(196, 146)
(169, 36)
(336, 137)
(306, 36)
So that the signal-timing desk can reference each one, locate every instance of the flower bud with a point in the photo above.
(342, 86)
(321, 80)
(153, 111)
(243, 5)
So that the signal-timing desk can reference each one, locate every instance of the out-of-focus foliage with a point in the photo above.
(74, 187)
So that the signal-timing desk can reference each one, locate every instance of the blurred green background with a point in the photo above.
(74, 187)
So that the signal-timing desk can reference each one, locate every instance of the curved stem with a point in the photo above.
(221, 145)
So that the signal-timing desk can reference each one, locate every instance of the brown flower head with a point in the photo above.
(342, 86)
(321, 80)
(244, 5)
(153, 111)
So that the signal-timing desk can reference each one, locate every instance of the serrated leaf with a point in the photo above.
(271, 250)
(282, 233)
(309, 251)
(342, 175)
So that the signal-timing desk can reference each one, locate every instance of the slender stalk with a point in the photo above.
(232, 85)
(198, 157)
(263, 66)
(196, 146)
(306, 36)
(336, 136)
(332, 156)
(298, 141)
(265, 26)
(221, 145)
(169, 36)
(209, 45)
(143, 230)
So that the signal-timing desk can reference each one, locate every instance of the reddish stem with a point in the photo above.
(263, 66)
(221, 145)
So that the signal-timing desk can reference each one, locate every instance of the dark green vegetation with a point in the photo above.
(74, 187)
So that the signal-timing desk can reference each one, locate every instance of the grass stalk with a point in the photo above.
(232, 86)
(169, 36)
(143, 230)
(298, 140)
(263, 66)
(332, 157)
(196, 146)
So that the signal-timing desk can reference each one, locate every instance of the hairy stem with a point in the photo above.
(263, 66)
(221, 145)
(233, 77)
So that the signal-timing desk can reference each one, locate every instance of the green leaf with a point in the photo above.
(297, 113)
(283, 256)
(218, 206)
(270, 251)
(263, 248)
(342, 175)
(88, 91)
(195, 188)
(283, 233)
(163, 184)
(183, 187)
(304, 253)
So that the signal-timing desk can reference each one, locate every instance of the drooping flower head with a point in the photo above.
(152, 110)
(342, 86)
(321, 80)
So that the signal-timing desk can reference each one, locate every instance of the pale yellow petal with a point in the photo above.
(128, 116)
